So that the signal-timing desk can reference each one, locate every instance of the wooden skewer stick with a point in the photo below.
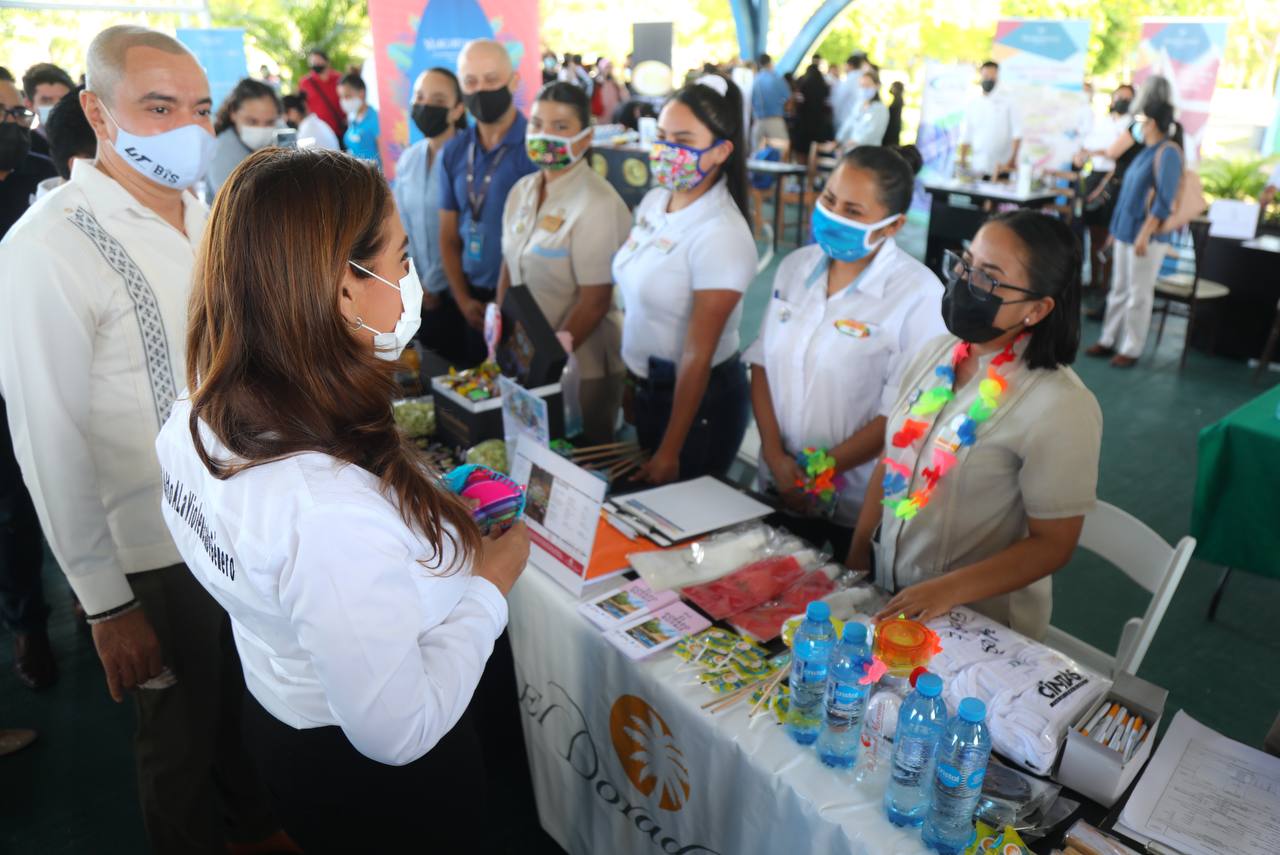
(606, 457)
(602, 449)
(578, 452)
(623, 465)
(627, 470)
(731, 696)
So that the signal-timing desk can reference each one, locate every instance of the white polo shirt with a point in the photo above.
(705, 247)
(94, 289)
(990, 126)
(1105, 132)
(835, 363)
(335, 619)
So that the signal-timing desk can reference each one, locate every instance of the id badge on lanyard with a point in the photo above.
(476, 198)
(475, 241)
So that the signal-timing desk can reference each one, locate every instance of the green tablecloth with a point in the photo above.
(1236, 516)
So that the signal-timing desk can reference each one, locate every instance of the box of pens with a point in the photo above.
(1111, 742)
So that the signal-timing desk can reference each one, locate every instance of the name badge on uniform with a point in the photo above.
(550, 223)
(854, 329)
(949, 437)
(475, 243)
(664, 245)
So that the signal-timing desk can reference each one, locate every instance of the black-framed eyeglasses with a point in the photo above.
(981, 284)
(17, 114)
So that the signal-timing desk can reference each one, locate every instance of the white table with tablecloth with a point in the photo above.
(624, 759)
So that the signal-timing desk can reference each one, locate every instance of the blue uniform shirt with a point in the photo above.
(769, 94)
(361, 138)
(1131, 207)
(417, 192)
(508, 163)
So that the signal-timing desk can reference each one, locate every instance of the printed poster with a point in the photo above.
(220, 52)
(1042, 67)
(411, 36)
(1187, 51)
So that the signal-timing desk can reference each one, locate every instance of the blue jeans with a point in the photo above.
(718, 427)
(22, 605)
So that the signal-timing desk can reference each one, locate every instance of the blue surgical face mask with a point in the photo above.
(866, 93)
(842, 239)
(1136, 130)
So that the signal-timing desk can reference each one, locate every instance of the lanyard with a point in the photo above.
(476, 198)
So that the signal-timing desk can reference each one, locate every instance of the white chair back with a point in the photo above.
(1142, 555)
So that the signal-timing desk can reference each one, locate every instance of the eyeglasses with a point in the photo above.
(981, 284)
(17, 114)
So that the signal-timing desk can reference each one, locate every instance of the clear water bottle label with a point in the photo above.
(814, 672)
(844, 696)
(949, 776)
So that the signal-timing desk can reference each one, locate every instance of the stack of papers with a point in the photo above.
(1205, 794)
(640, 621)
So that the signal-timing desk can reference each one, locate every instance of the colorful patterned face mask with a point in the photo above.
(675, 166)
(548, 151)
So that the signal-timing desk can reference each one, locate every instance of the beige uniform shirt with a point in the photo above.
(568, 242)
(1037, 456)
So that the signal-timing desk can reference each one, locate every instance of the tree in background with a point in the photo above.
(284, 31)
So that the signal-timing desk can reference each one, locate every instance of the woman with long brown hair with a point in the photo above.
(364, 602)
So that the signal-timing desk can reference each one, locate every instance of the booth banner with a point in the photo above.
(947, 88)
(624, 759)
(1042, 67)
(411, 36)
(220, 53)
(1188, 52)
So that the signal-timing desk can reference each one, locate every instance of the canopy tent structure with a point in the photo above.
(751, 19)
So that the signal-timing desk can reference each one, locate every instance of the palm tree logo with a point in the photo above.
(648, 752)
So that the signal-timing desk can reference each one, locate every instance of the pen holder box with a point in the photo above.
(1098, 772)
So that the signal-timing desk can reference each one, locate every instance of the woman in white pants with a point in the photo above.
(1139, 242)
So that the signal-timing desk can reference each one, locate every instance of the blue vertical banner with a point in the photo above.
(220, 52)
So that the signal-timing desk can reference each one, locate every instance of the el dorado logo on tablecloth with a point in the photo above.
(648, 752)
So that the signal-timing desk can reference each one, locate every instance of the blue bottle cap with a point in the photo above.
(929, 684)
(972, 710)
(854, 632)
(818, 611)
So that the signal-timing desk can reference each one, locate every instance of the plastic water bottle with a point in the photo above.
(810, 662)
(920, 725)
(962, 758)
(846, 698)
(879, 724)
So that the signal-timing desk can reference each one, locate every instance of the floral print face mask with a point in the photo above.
(675, 166)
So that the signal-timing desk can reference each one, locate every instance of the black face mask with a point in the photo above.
(1120, 106)
(431, 119)
(488, 105)
(319, 69)
(988, 85)
(967, 317)
(15, 144)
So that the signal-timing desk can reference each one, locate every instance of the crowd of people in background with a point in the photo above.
(288, 398)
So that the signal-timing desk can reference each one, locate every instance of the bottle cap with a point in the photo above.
(972, 710)
(818, 611)
(905, 644)
(854, 632)
(929, 685)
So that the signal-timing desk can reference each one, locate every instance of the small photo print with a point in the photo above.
(538, 497)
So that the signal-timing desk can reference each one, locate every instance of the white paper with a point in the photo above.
(691, 508)
(1229, 218)
(562, 510)
(523, 414)
(1205, 794)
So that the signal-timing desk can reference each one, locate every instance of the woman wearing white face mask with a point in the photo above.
(560, 229)
(847, 316)
(867, 123)
(363, 600)
(361, 135)
(246, 122)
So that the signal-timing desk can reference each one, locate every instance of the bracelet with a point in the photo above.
(109, 614)
(819, 470)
